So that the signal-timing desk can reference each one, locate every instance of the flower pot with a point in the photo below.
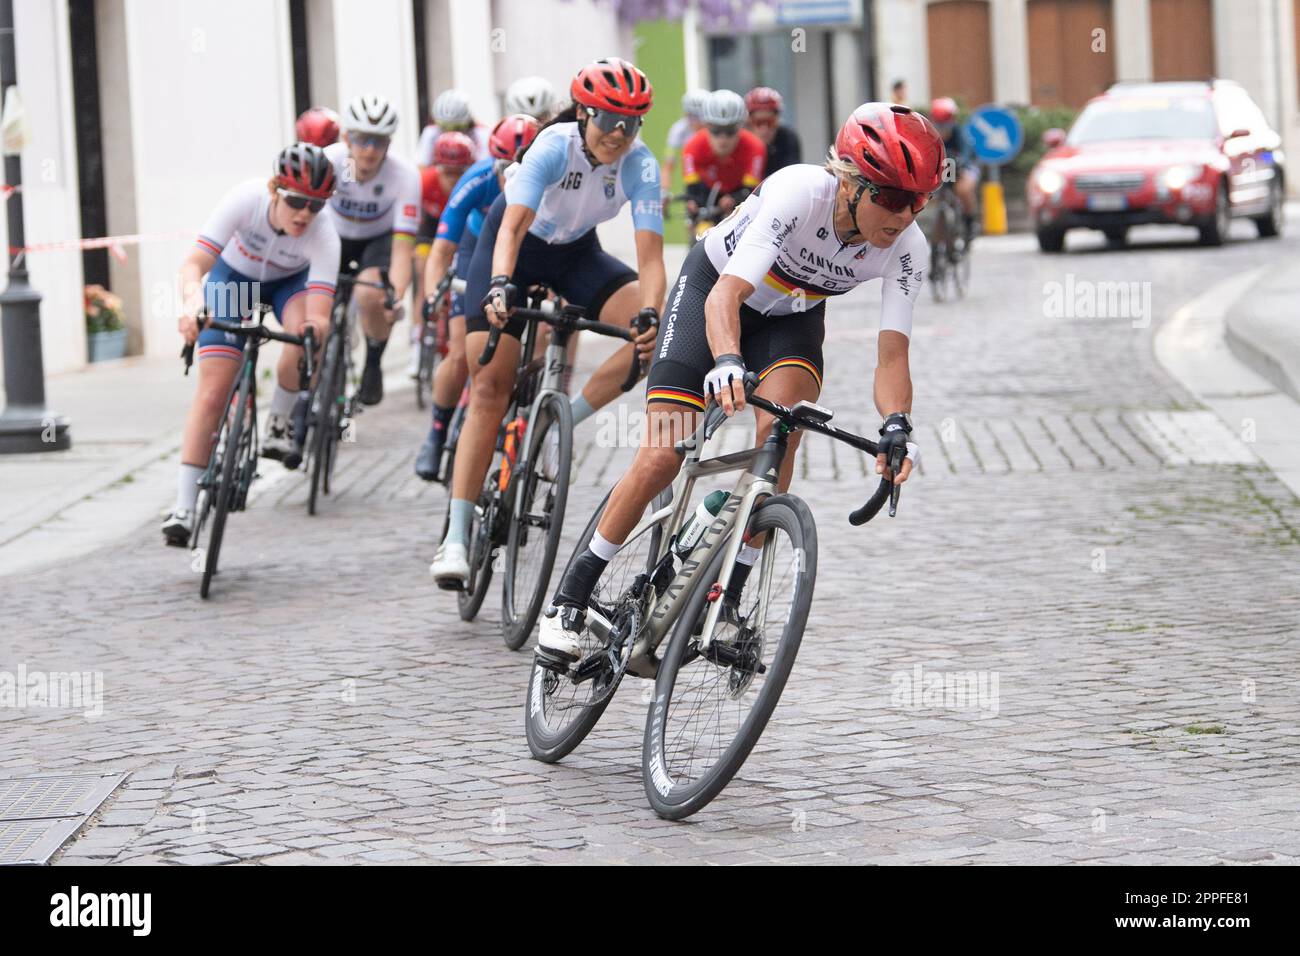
(106, 345)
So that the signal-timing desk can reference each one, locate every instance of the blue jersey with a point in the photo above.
(470, 200)
(570, 197)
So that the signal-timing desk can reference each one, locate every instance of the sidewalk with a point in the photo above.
(126, 418)
(1263, 330)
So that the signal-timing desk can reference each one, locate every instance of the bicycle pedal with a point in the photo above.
(552, 662)
(449, 584)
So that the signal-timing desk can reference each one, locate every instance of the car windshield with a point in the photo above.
(1147, 118)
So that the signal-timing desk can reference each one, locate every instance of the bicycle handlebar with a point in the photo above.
(261, 331)
(887, 490)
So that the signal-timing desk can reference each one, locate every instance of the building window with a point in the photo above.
(960, 48)
(1071, 51)
(1182, 40)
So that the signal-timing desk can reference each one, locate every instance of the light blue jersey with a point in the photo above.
(557, 181)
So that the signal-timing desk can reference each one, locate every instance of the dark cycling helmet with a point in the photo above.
(512, 135)
(943, 110)
(302, 168)
(614, 84)
(893, 146)
(453, 149)
(318, 126)
(763, 98)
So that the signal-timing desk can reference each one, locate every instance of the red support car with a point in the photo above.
(1198, 154)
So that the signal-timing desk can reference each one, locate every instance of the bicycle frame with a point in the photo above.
(761, 468)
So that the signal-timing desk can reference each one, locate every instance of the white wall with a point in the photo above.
(1008, 30)
(1132, 39)
(50, 203)
(207, 95)
(901, 50)
(554, 39)
(374, 52)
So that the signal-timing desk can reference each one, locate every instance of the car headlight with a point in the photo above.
(1176, 177)
(1050, 181)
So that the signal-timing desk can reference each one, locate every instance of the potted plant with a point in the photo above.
(105, 330)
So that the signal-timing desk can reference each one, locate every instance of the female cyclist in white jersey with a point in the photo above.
(752, 297)
(578, 172)
(265, 242)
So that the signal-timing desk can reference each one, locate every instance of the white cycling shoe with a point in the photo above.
(277, 443)
(450, 568)
(557, 637)
(177, 527)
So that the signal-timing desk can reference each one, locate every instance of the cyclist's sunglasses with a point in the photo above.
(368, 141)
(607, 121)
(299, 201)
(731, 130)
(893, 199)
(767, 122)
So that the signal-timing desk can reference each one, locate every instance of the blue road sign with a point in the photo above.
(995, 134)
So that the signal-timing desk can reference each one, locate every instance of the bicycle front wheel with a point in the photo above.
(710, 706)
(323, 416)
(537, 519)
(223, 495)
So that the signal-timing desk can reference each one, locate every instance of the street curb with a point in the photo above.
(1259, 342)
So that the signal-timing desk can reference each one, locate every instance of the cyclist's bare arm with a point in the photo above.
(197, 264)
(399, 269)
(439, 261)
(893, 382)
(722, 327)
(653, 279)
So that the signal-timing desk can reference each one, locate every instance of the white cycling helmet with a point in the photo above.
(693, 102)
(370, 114)
(532, 95)
(451, 108)
(724, 108)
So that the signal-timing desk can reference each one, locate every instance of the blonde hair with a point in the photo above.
(842, 169)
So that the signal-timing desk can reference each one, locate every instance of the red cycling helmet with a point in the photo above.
(512, 135)
(893, 146)
(763, 98)
(943, 110)
(613, 84)
(453, 149)
(318, 126)
(303, 168)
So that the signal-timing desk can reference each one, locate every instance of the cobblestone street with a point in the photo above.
(1111, 560)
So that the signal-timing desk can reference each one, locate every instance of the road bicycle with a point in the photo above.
(232, 463)
(705, 217)
(949, 251)
(521, 506)
(328, 418)
(724, 666)
(431, 339)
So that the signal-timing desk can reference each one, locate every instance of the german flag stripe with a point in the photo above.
(786, 280)
(794, 362)
(678, 395)
(771, 280)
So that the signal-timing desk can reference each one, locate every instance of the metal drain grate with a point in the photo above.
(39, 814)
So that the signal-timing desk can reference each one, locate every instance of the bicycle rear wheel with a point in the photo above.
(482, 545)
(558, 711)
(710, 708)
(223, 494)
(536, 519)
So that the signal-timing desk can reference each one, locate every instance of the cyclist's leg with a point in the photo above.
(369, 303)
(220, 356)
(788, 354)
(674, 400)
(609, 291)
(450, 375)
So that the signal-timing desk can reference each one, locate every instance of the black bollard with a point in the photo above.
(26, 424)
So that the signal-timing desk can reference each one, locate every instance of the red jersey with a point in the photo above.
(742, 169)
(432, 196)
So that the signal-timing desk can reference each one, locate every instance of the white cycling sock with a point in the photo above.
(581, 409)
(462, 513)
(187, 486)
(282, 401)
(601, 548)
(748, 555)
